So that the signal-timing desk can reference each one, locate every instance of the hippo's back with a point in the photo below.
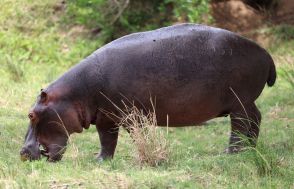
(161, 34)
(186, 67)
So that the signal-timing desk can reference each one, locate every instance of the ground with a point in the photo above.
(35, 48)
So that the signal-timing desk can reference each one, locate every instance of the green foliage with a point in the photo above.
(16, 70)
(284, 32)
(30, 33)
(117, 18)
(195, 11)
(87, 12)
(287, 72)
(265, 161)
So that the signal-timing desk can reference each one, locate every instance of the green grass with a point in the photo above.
(35, 48)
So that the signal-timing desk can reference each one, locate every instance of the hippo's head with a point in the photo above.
(52, 119)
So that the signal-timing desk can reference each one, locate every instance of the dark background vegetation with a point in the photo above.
(113, 18)
(116, 18)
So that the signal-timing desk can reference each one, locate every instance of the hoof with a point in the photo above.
(234, 149)
(100, 158)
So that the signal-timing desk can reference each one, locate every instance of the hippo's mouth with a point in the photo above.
(44, 151)
(51, 157)
(29, 156)
(25, 157)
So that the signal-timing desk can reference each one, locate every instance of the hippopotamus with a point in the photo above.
(193, 72)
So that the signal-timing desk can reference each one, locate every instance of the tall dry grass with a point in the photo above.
(150, 142)
(151, 146)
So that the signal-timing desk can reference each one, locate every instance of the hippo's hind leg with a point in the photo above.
(108, 134)
(245, 122)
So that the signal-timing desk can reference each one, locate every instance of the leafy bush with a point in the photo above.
(283, 32)
(117, 18)
(195, 11)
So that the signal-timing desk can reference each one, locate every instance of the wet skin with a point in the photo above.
(194, 72)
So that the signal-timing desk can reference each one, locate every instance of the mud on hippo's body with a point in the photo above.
(195, 72)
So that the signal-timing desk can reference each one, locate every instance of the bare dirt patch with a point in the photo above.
(236, 16)
(284, 13)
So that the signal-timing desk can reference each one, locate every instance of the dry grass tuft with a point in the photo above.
(150, 142)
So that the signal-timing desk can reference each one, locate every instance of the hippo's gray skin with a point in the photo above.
(194, 72)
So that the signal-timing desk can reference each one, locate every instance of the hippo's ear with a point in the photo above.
(43, 96)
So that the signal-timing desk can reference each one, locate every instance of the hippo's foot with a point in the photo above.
(234, 149)
(108, 139)
(102, 157)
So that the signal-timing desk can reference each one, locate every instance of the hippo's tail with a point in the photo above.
(272, 73)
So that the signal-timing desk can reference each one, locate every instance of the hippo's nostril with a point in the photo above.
(24, 151)
(29, 154)
(25, 154)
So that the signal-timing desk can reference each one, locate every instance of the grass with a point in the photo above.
(35, 48)
(151, 147)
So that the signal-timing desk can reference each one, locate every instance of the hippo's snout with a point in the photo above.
(28, 154)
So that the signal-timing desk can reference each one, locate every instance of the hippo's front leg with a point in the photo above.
(108, 135)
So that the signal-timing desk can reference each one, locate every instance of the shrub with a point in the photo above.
(117, 18)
